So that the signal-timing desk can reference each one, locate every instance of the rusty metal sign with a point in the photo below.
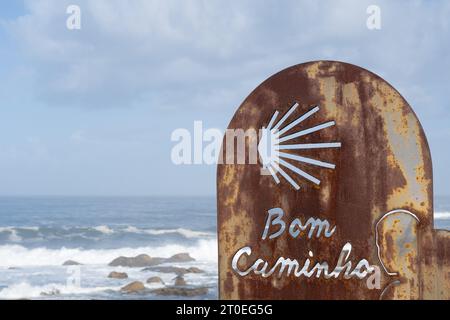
(339, 204)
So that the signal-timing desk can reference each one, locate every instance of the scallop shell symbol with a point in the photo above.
(272, 147)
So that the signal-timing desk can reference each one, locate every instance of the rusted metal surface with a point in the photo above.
(379, 196)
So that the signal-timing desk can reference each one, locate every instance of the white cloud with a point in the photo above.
(204, 54)
(164, 52)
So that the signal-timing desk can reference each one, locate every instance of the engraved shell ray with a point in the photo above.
(274, 142)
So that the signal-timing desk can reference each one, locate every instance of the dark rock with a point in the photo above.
(118, 275)
(168, 269)
(184, 292)
(195, 270)
(142, 260)
(133, 287)
(155, 280)
(180, 257)
(179, 281)
(176, 270)
(71, 263)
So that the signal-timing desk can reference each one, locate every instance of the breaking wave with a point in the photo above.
(19, 234)
(24, 290)
(19, 256)
(442, 215)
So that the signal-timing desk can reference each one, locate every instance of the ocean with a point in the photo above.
(39, 234)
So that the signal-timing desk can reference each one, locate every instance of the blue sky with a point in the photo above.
(90, 111)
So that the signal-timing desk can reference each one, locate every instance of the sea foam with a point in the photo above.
(442, 215)
(19, 256)
(16, 234)
(24, 290)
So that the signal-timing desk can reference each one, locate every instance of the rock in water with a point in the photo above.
(180, 257)
(118, 275)
(142, 260)
(176, 270)
(179, 281)
(194, 270)
(133, 287)
(71, 263)
(184, 292)
(155, 280)
(168, 269)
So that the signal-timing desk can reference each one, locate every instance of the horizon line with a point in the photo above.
(127, 195)
(102, 195)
